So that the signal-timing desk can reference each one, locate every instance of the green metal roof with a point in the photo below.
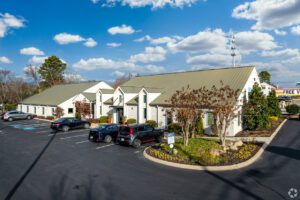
(107, 91)
(131, 89)
(109, 101)
(236, 78)
(90, 96)
(58, 94)
(133, 101)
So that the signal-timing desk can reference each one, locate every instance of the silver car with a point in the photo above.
(13, 115)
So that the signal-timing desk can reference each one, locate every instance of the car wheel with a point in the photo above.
(108, 139)
(29, 117)
(137, 143)
(86, 126)
(65, 128)
(10, 119)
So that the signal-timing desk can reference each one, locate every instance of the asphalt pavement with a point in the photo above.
(36, 164)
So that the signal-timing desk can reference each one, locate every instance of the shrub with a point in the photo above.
(96, 121)
(50, 118)
(292, 109)
(10, 107)
(131, 121)
(200, 126)
(152, 123)
(103, 119)
(273, 119)
(245, 152)
(77, 115)
(273, 104)
(175, 128)
(41, 117)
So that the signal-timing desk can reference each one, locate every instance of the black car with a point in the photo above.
(106, 133)
(68, 123)
(137, 134)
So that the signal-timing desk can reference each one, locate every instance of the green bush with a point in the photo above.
(131, 121)
(292, 109)
(200, 126)
(10, 107)
(77, 115)
(152, 123)
(103, 119)
(273, 118)
(175, 128)
(50, 118)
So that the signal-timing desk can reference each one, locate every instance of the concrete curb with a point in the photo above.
(46, 120)
(217, 168)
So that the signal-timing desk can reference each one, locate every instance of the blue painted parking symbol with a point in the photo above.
(28, 128)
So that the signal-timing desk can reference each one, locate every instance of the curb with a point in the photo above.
(217, 168)
(46, 120)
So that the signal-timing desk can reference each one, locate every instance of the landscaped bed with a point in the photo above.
(263, 132)
(203, 152)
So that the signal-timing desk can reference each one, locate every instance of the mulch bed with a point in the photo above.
(229, 158)
(261, 132)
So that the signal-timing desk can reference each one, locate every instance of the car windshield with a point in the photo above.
(61, 120)
(103, 127)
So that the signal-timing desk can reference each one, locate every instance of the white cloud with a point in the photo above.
(250, 41)
(5, 60)
(103, 63)
(151, 54)
(281, 54)
(90, 42)
(157, 41)
(295, 30)
(114, 44)
(8, 21)
(152, 3)
(118, 73)
(269, 14)
(210, 60)
(66, 38)
(31, 51)
(281, 33)
(37, 60)
(124, 29)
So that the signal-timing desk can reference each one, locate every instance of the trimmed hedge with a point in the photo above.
(103, 119)
(131, 121)
(50, 118)
(292, 109)
(174, 127)
(152, 123)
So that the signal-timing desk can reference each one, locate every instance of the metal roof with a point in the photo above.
(236, 78)
(90, 96)
(58, 94)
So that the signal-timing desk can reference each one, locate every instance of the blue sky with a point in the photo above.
(101, 42)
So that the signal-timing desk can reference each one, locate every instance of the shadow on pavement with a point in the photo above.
(20, 181)
(285, 151)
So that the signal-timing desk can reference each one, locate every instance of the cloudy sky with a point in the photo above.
(105, 39)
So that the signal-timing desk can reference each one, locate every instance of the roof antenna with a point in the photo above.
(233, 48)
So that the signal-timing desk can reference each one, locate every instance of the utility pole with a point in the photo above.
(233, 48)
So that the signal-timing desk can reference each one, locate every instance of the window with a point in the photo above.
(70, 110)
(145, 113)
(34, 110)
(210, 119)
(145, 98)
(27, 109)
(100, 110)
(120, 98)
(239, 118)
(43, 110)
(53, 111)
(148, 128)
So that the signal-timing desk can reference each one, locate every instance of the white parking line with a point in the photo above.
(105, 146)
(82, 142)
(64, 138)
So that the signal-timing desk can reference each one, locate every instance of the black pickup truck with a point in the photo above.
(137, 134)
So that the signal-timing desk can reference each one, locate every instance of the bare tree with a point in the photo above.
(4, 90)
(122, 80)
(83, 108)
(183, 105)
(32, 73)
(72, 77)
(59, 112)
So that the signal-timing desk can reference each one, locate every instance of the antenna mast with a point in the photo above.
(233, 48)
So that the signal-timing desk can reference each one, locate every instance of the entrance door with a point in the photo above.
(120, 115)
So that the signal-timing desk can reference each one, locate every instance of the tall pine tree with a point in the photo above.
(255, 111)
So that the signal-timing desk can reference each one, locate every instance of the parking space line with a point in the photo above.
(64, 138)
(82, 142)
(105, 146)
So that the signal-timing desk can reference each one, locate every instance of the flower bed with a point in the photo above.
(199, 153)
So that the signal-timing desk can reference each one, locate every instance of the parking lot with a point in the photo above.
(37, 164)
